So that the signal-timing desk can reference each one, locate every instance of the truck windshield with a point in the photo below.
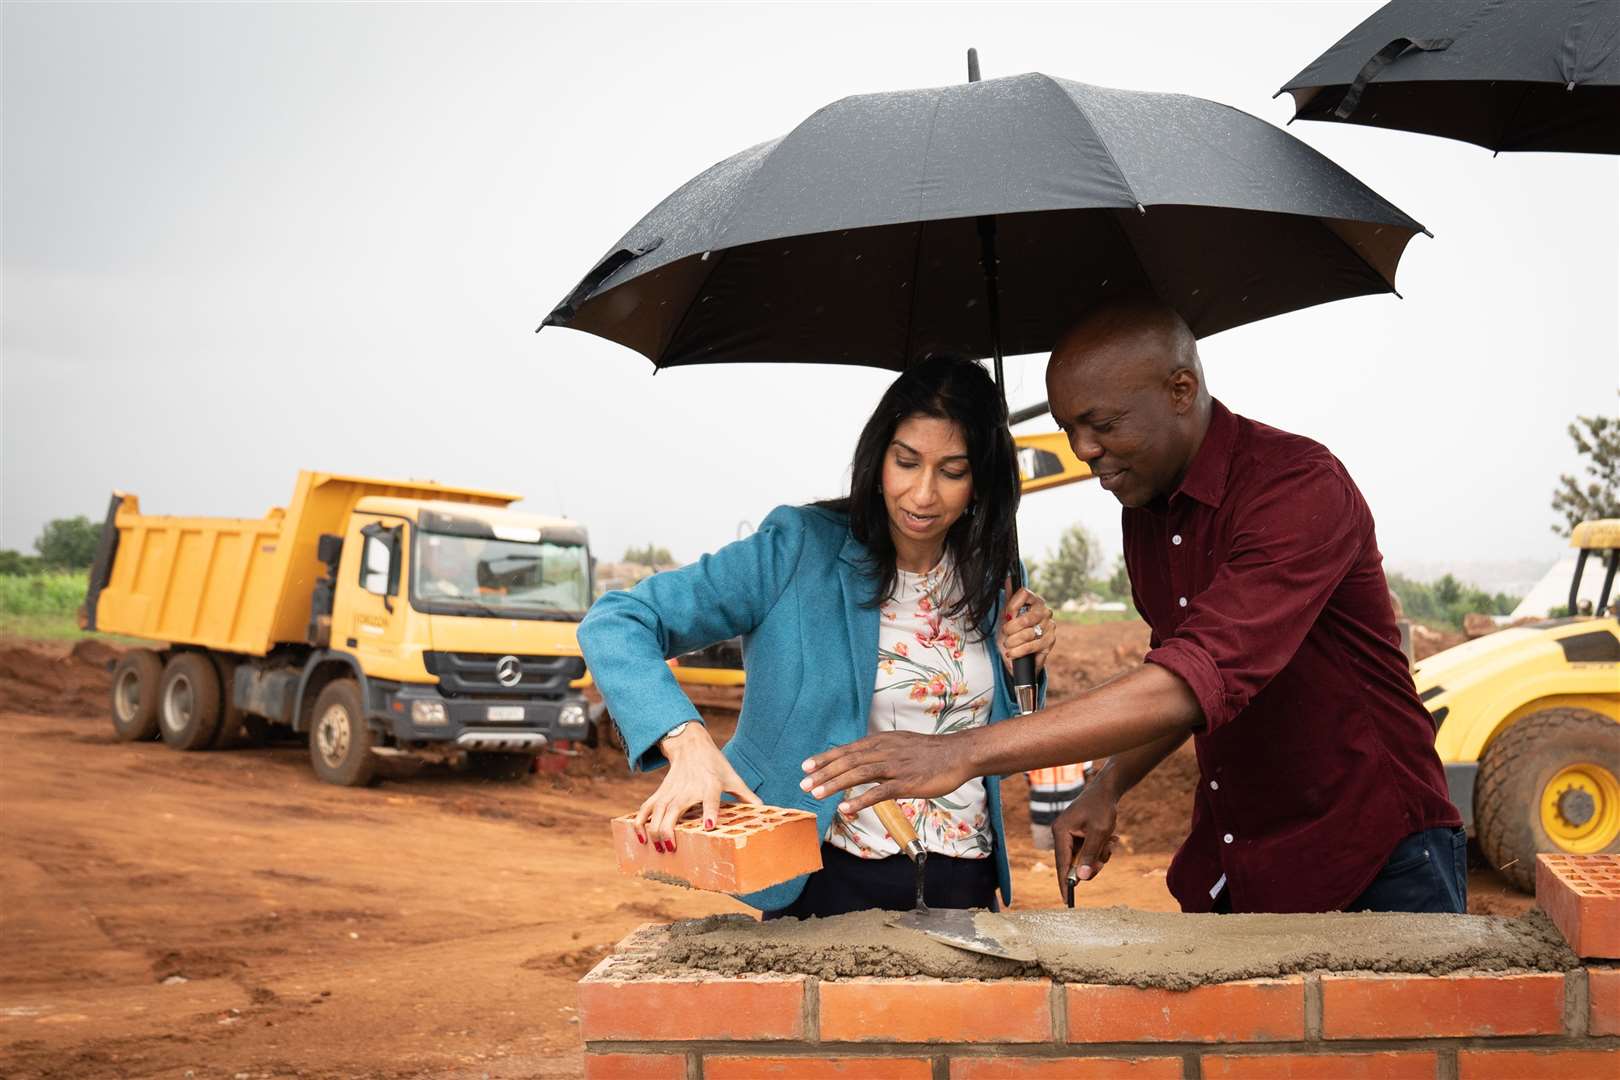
(473, 575)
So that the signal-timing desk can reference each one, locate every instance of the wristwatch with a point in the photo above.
(676, 730)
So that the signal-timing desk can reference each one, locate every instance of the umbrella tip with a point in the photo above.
(973, 65)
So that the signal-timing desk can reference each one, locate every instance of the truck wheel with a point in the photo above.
(188, 702)
(1549, 783)
(495, 766)
(340, 738)
(135, 695)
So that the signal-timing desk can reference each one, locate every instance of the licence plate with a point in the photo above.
(505, 712)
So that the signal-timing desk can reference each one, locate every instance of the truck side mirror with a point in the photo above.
(379, 562)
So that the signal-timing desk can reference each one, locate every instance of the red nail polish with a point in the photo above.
(708, 823)
(672, 847)
(658, 846)
(643, 839)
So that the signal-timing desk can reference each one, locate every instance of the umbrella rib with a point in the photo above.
(715, 257)
(916, 251)
(1102, 142)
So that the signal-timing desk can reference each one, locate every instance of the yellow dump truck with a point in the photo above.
(374, 617)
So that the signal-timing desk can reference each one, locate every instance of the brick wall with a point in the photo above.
(1455, 1027)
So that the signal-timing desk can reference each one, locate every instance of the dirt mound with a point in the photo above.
(54, 681)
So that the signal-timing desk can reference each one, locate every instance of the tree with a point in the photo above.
(649, 556)
(16, 564)
(1600, 498)
(69, 543)
(1067, 575)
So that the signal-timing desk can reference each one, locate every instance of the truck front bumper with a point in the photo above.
(420, 714)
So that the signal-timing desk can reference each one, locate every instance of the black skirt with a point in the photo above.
(848, 883)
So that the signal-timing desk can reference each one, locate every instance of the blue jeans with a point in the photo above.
(1427, 871)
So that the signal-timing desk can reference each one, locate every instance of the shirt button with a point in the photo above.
(1214, 785)
(1182, 601)
(1227, 838)
(1176, 539)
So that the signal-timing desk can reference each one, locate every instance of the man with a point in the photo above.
(1252, 557)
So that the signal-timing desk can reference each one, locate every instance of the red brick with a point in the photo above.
(1256, 1010)
(625, 1009)
(936, 1010)
(1426, 1006)
(817, 1068)
(1383, 1065)
(635, 1066)
(1581, 894)
(751, 848)
(1603, 995)
(1069, 1068)
(1536, 1064)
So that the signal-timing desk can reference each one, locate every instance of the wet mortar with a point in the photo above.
(1120, 946)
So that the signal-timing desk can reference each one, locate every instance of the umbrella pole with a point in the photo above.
(1024, 666)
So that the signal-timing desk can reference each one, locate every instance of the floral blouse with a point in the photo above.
(933, 679)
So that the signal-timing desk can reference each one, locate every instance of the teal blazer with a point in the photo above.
(797, 591)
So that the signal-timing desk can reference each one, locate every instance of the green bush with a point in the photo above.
(50, 592)
(1447, 600)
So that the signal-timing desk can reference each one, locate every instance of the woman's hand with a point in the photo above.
(698, 774)
(1032, 633)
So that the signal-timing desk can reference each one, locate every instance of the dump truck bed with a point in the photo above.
(240, 585)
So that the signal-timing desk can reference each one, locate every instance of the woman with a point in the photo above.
(864, 614)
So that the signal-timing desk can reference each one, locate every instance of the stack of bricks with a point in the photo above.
(1463, 1026)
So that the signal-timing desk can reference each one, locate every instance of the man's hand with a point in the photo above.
(902, 764)
(1083, 835)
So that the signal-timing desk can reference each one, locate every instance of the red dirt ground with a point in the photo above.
(226, 915)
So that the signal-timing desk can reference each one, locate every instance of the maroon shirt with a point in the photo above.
(1264, 588)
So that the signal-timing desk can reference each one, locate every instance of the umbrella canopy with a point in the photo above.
(855, 239)
(1521, 75)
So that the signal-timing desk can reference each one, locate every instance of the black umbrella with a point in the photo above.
(985, 218)
(1521, 75)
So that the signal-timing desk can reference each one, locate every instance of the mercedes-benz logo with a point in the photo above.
(508, 672)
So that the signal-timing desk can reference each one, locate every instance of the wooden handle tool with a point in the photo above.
(899, 828)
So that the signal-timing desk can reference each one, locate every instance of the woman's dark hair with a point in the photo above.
(981, 542)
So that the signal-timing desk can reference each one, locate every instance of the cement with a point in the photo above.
(1124, 946)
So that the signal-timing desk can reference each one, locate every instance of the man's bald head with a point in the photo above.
(1126, 385)
(1136, 338)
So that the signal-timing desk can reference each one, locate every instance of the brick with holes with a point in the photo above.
(1581, 894)
(750, 848)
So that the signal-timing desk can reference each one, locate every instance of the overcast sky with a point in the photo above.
(241, 240)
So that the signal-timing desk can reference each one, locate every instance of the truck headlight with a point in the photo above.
(428, 713)
(571, 716)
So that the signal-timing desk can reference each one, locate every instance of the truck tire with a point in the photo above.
(491, 765)
(340, 738)
(189, 702)
(135, 695)
(1548, 783)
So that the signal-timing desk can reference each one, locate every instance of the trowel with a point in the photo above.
(975, 931)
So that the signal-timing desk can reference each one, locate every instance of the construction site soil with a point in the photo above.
(228, 915)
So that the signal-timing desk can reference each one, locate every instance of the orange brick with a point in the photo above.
(635, 1066)
(751, 848)
(1256, 1010)
(817, 1068)
(1427, 1006)
(936, 1010)
(1536, 1064)
(1069, 1068)
(1581, 894)
(747, 1007)
(1391, 1065)
(1603, 997)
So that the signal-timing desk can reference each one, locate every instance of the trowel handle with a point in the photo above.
(899, 827)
